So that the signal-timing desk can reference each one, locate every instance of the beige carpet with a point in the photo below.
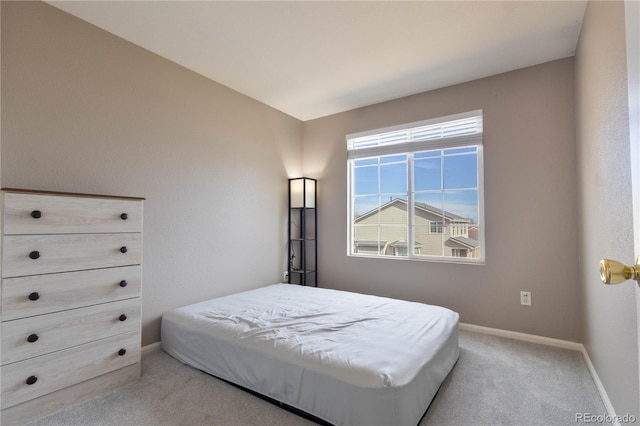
(496, 381)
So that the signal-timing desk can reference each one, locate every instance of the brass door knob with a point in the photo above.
(612, 272)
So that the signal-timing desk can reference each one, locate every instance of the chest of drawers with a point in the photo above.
(70, 298)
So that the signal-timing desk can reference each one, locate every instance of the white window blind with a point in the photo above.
(445, 132)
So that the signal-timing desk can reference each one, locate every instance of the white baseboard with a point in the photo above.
(601, 390)
(564, 344)
(150, 348)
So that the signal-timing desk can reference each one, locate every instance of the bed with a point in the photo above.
(344, 358)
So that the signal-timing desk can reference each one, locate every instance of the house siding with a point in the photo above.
(389, 225)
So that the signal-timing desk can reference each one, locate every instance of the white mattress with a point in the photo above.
(346, 358)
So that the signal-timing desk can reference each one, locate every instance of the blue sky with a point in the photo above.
(446, 179)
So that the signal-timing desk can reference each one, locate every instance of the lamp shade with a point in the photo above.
(302, 193)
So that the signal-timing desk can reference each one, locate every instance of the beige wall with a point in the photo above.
(606, 224)
(85, 111)
(530, 204)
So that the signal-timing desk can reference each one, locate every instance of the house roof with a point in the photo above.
(467, 242)
(421, 206)
(447, 215)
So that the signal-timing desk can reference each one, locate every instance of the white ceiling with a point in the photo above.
(310, 59)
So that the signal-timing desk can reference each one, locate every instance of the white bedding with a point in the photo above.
(346, 358)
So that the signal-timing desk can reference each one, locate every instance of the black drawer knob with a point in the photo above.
(32, 338)
(31, 380)
(34, 255)
(36, 214)
(123, 283)
(123, 249)
(122, 317)
(122, 352)
(124, 216)
(34, 296)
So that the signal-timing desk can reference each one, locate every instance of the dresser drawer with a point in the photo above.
(68, 290)
(29, 337)
(44, 254)
(67, 367)
(26, 213)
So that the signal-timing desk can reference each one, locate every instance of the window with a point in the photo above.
(436, 227)
(415, 191)
(459, 230)
(400, 251)
(459, 253)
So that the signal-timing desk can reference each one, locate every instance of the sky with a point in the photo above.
(446, 179)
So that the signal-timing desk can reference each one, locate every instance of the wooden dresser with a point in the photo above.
(71, 281)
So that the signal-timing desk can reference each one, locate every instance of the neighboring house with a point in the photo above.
(383, 231)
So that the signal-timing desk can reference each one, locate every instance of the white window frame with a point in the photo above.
(407, 139)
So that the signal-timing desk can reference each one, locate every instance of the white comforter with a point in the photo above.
(366, 341)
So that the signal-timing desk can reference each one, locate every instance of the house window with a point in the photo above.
(436, 227)
(459, 230)
(459, 252)
(400, 251)
(419, 184)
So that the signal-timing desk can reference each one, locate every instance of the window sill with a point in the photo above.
(430, 259)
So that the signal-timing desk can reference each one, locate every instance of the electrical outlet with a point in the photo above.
(525, 298)
(286, 276)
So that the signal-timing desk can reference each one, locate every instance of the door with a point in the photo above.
(613, 272)
(632, 21)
